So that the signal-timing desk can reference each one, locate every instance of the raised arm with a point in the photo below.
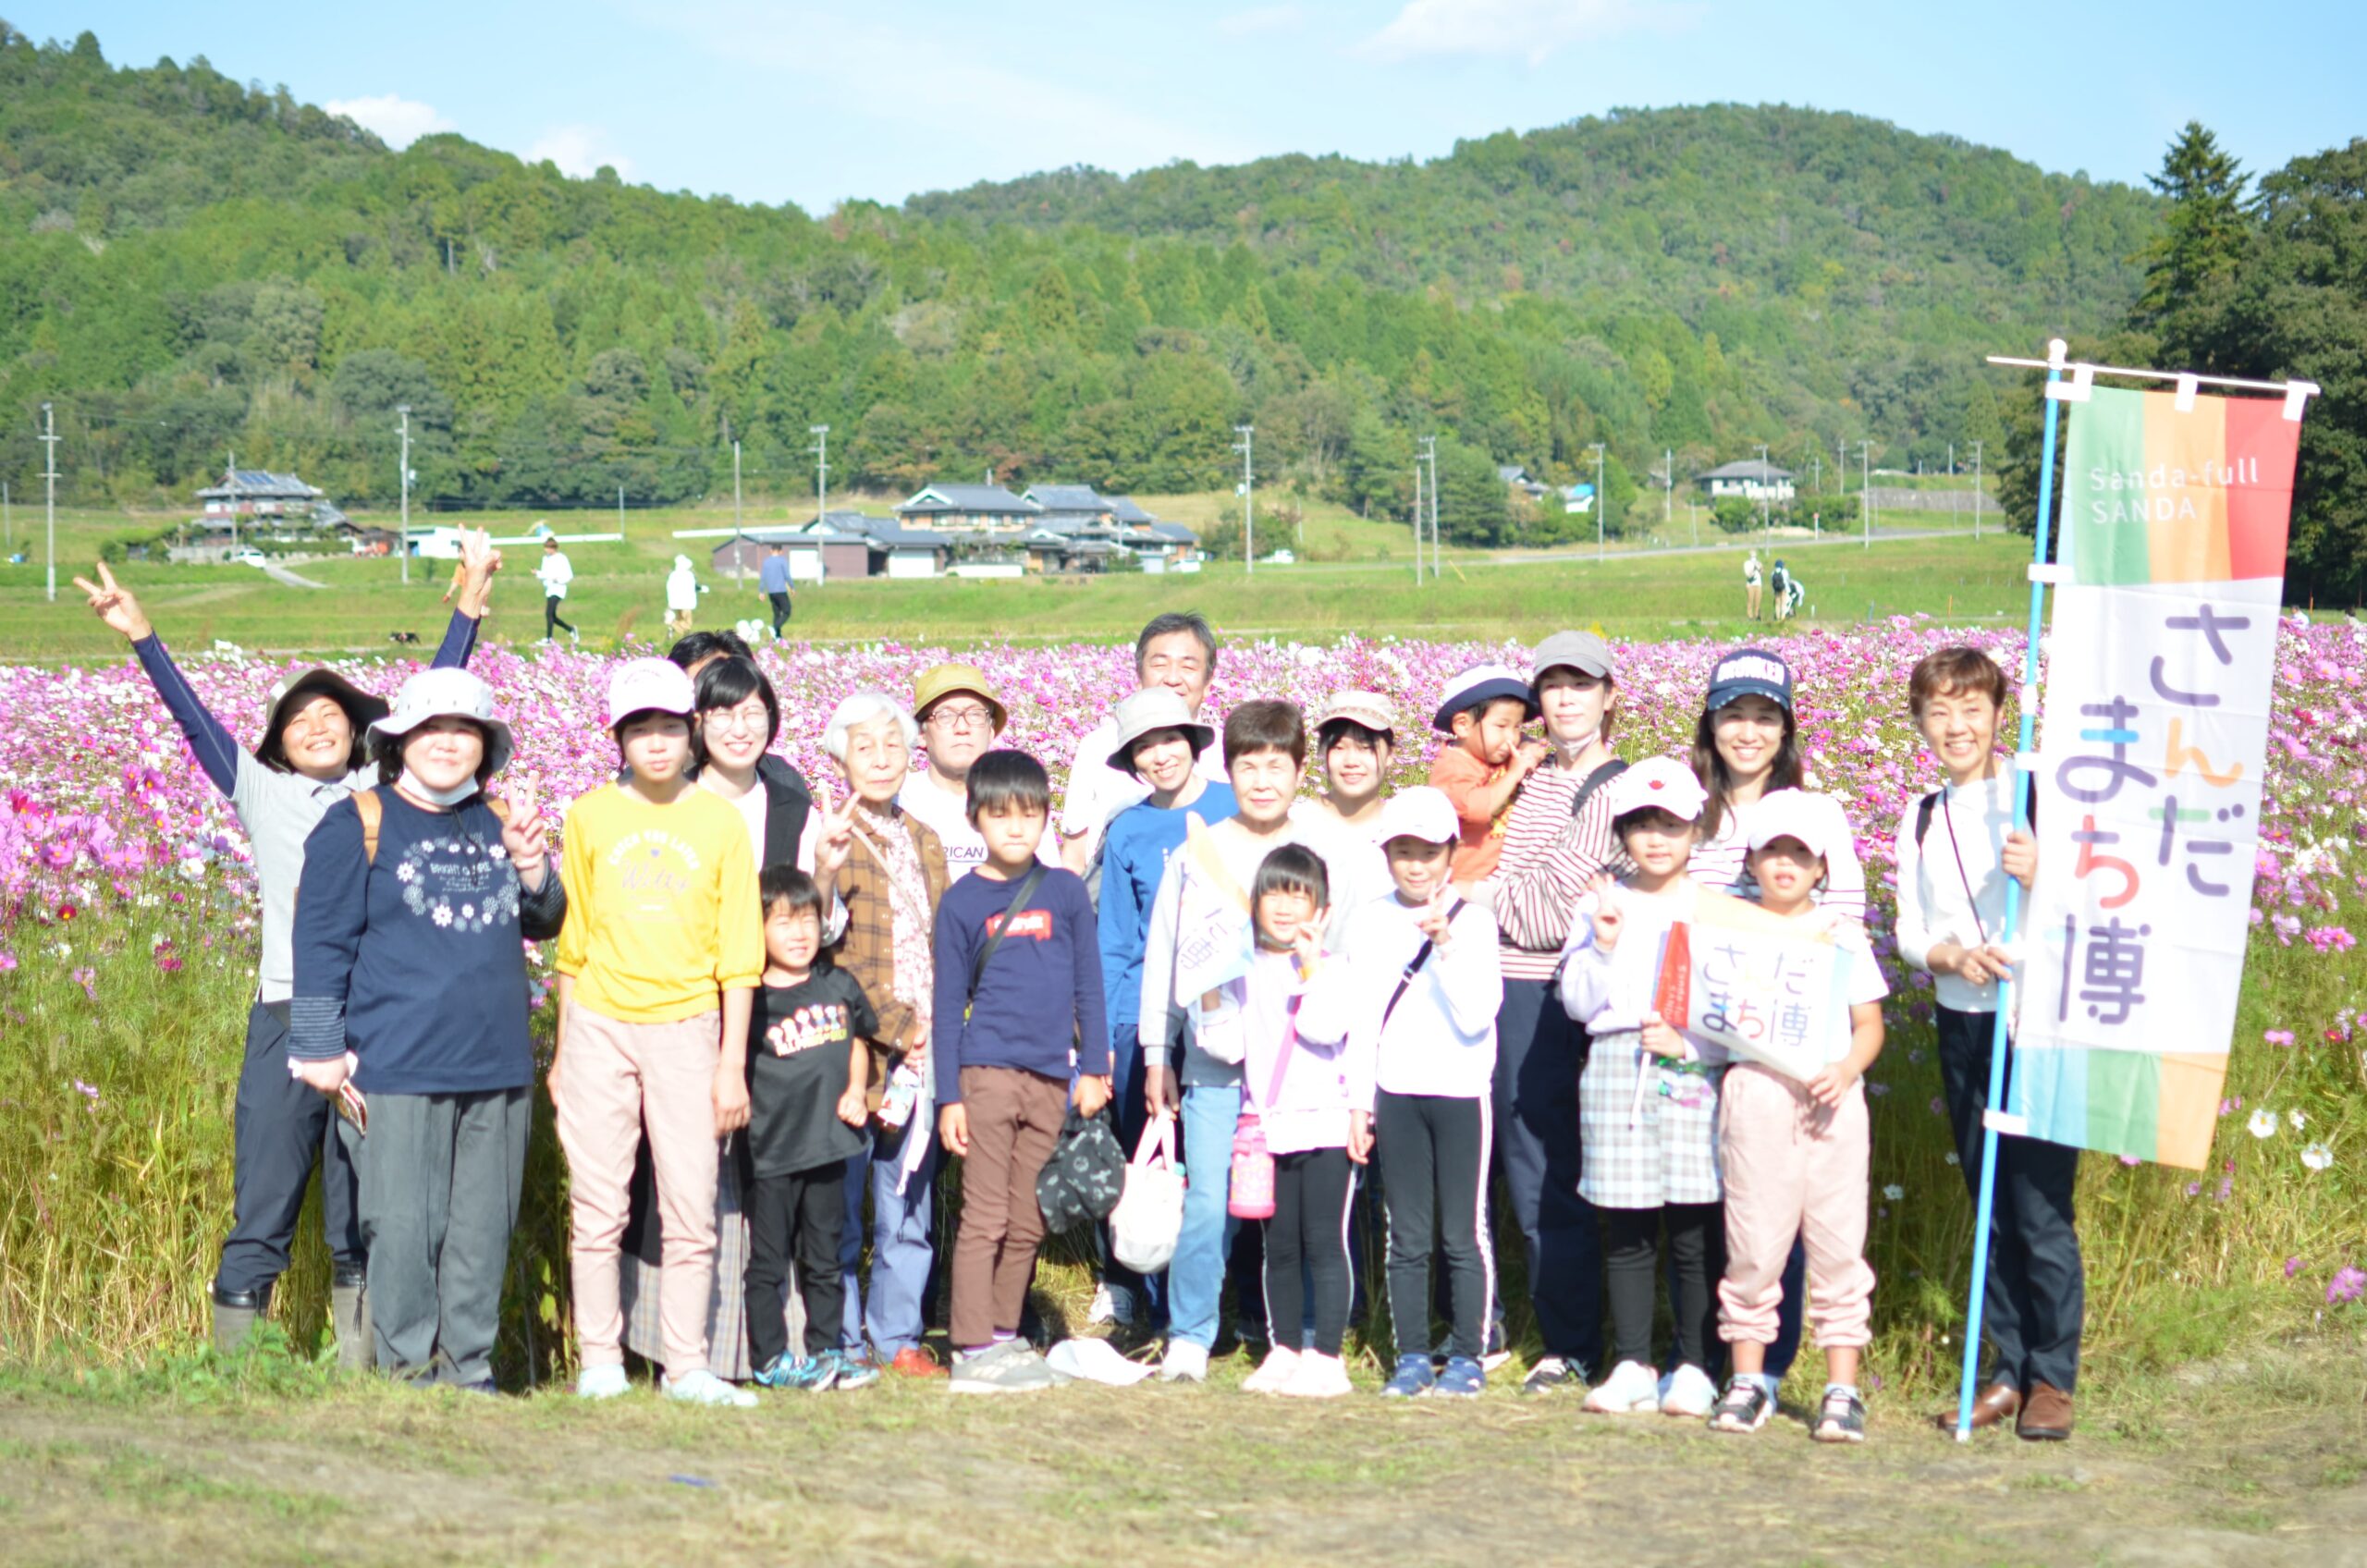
(217, 751)
(479, 561)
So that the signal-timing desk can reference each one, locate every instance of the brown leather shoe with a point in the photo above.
(2046, 1416)
(1993, 1407)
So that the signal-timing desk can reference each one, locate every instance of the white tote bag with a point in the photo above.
(1150, 1214)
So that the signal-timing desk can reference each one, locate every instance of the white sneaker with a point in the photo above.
(704, 1388)
(602, 1382)
(1112, 1304)
(1688, 1392)
(1185, 1363)
(1274, 1373)
(1631, 1390)
(1318, 1376)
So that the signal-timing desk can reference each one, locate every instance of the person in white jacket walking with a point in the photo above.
(1416, 1001)
(683, 591)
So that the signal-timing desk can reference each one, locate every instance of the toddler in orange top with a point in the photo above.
(1482, 770)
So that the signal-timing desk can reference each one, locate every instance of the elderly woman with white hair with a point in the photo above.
(893, 876)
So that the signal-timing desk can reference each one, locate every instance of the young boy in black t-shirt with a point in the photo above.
(807, 1074)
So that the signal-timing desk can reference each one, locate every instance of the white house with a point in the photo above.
(1753, 480)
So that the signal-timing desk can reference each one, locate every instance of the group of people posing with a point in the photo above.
(782, 1007)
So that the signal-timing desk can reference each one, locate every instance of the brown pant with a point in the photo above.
(1014, 1121)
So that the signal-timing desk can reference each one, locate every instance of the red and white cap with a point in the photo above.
(1662, 783)
(1816, 820)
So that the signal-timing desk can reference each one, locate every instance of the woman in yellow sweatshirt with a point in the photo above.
(658, 962)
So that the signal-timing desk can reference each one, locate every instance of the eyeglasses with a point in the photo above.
(971, 717)
(728, 719)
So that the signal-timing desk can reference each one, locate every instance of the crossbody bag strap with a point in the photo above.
(1414, 966)
(994, 939)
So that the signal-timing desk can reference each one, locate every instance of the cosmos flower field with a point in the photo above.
(127, 937)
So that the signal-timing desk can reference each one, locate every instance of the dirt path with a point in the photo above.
(2251, 1465)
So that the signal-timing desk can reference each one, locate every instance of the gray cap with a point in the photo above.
(1152, 709)
(1581, 651)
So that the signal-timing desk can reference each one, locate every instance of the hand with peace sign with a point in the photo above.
(1432, 921)
(835, 840)
(527, 839)
(114, 605)
(479, 561)
(1608, 919)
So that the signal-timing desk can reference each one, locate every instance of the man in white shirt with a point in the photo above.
(1177, 651)
(960, 717)
(553, 573)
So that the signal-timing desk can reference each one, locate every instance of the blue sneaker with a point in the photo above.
(1413, 1378)
(1463, 1378)
(808, 1373)
(847, 1372)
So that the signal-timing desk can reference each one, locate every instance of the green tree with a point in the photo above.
(2191, 263)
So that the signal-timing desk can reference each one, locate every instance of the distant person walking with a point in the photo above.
(1782, 584)
(555, 573)
(683, 591)
(774, 577)
(1750, 585)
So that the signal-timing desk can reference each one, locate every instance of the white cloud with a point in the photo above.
(578, 150)
(1263, 18)
(1524, 29)
(396, 120)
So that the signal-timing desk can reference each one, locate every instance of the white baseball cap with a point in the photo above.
(648, 685)
(449, 693)
(1816, 820)
(1662, 783)
(1419, 813)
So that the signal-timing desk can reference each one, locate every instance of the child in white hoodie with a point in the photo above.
(1648, 1099)
(1298, 1091)
(1415, 1000)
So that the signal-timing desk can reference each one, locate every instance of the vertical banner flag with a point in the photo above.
(1763, 986)
(2154, 732)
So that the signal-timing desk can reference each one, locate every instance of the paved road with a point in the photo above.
(1734, 543)
(281, 575)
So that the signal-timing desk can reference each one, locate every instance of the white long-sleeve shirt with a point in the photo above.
(1190, 884)
(1298, 1087)
(1440, 1037)
(555, 573)
(1611, 993)
(1938, 902)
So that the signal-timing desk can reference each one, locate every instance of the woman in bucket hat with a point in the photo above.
(411, 1008)
(307, 761)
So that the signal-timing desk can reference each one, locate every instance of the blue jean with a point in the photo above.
(901, 1244)
(1196, 1276)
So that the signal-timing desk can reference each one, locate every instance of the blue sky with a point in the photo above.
(814, 104)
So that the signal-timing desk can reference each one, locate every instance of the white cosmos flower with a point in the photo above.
(2263, 1123)
(2317, 1156)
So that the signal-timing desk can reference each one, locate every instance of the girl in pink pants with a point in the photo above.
(1794, 1152)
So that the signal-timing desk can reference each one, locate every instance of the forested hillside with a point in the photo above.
(187, 266)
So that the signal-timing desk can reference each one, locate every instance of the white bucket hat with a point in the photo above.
(449, 693)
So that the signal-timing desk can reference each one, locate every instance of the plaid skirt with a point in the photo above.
(1649, 1130)
(727, 1323)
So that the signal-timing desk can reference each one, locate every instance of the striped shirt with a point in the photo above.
(1718, 864)
(1548, 859)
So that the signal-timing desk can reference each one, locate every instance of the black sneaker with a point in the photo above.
(1745, 1408)
(1843, 1420)
(1551, 1375)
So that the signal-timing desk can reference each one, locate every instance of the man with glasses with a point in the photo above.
(960, 717)
(1179, 652)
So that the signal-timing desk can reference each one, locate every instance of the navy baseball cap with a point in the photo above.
(1750, 672)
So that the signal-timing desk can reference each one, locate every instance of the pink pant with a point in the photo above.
(1793, 1168)
(614, 1078)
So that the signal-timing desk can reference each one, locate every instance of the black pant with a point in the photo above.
(1539, 1053)
(1310, 1230)
(2035, 1300)
(282, 1127)
(1433, 1156)
(780, 611)
(551, 620)
(802, 1212)
(1631, 1246)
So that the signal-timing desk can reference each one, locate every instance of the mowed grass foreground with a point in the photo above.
(1367, 588)
(2251, 1461)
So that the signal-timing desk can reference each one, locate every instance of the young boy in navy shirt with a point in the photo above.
(1019, 1015)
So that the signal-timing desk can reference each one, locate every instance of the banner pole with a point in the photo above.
(2001, 1040)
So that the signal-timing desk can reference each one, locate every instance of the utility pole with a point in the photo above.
(229, 483)
(1249, 434)
(1418, 519)
(1841, 466)
(821, 450)
(49, 438)
(1976, 489)
(1816, 471)
(1668, 485)
(735, 512)
(1429, 454)
(402, 540)
(1865, 495)
(7, 521)
(1601, 502)
(1766, 484)
(620, 509)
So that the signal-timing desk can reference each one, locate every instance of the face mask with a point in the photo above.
(410, 785)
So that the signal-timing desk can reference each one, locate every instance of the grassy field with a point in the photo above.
(1363, 588)
(2250, 1463)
